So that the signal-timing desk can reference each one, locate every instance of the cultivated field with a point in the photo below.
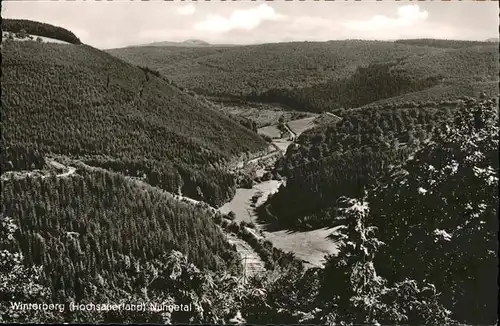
(309, 246)
(262, 114)
(301, 125)
(270, 131)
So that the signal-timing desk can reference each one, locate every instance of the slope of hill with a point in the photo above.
(255, 69)
(314, 76)
(98, 236)
(78, 101)
(441, 92)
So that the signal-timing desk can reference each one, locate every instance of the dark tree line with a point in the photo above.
(440, 43)
(20, 157)
(366, 85)
(441, 210)
(39, 29)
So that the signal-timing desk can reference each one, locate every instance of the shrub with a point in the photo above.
(218, 218)
(231, 215)
(233, 227)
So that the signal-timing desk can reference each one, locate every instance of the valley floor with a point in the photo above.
(310, 246)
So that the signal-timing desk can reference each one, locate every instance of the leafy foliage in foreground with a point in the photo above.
(98, 230)
(79, 101)
(39, 29)
(348, 291)
(351, 290)
(441, 209)
(18, 283)
(421, 249)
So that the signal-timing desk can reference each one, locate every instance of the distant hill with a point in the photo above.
(321, 76)
(493, 39)
(193, 43)
(196, 42)
(188, 43)
(79, 101)
(450, 74)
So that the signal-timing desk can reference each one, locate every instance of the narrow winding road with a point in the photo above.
(68, 171)
(293, 135)
(333, 115)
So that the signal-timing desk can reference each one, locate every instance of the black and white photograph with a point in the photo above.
(249, 162)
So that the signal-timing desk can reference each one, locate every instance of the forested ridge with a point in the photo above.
(253, 70)
(441, 43)
(39, 29)
(78, 101)
(323, 76)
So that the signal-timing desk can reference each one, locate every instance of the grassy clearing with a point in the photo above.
(270, 131)
(301, 125)
(309, 246)
(263, 114)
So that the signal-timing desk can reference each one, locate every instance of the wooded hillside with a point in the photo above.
(98, 230)
(323, 76)
(78, 101)
(39, 29)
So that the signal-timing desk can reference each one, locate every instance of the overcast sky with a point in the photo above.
(121, 23)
